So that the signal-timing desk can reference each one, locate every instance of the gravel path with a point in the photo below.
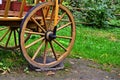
(76, 69)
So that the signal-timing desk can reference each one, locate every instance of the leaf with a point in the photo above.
(4, 72)
(1, 64)
(26, 70)
(119, 75)
(50, 73)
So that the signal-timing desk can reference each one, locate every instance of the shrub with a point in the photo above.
(95, 12)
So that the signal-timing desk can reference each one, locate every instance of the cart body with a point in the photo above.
(41, 29)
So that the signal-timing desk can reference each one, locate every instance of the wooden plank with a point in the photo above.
(22, 8)
(7, 7)
(10, 19)
(11, 13)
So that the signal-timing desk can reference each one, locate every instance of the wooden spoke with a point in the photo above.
(45, 52)
(3, 29)
(8, 38)
(28, 36)
(15, 39)
(34, 42)
(36, 53)
(51, 15)
(43, 15)
(47, 9)
(27, 29)
(37, 33)
(38, 24)
(64, 26)
(17, 31)
(61, 17)
(65, 37)
(4, 35)
(60, 45)
(53, 50)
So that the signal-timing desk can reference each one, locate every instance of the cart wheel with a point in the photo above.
(46, 40)
(9, 37)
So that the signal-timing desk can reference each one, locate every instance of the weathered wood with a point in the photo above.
(22, 8)
(10, 19)
(7, 7)
(11, 13)
(44, 34)
(56, 12)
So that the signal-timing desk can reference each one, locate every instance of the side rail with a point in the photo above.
(11, 8)
(16, 8)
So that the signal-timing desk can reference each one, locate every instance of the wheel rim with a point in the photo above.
(9, 37)
(47, 41)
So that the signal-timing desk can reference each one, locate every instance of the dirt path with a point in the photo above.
(76, 69)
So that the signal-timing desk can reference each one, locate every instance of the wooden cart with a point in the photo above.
(47, 30)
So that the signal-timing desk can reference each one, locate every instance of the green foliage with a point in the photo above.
(3, 67)
(95, 12)
(117, 6)
(98, 14)
(115, 22)
(30, 1)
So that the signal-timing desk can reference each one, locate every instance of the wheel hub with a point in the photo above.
(50, 35)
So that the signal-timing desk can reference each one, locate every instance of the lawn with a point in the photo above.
(99, 45)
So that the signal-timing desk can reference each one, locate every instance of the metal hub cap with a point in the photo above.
(50, 35)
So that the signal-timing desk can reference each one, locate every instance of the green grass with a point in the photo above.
(102, 46)
(9, 59)
(99, 45)
(115, 22)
